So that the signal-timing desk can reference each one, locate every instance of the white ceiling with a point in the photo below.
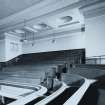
(13, 13)
(9, 7)
(44, 9)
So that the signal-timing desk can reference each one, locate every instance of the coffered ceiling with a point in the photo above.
(44, 17)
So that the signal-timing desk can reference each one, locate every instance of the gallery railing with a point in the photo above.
(96, 60)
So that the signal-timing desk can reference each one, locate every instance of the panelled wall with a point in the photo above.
(55, 57)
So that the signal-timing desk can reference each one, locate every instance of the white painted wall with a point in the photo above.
(2, 50)
(69, 41)
(95, 36)
(10, 51)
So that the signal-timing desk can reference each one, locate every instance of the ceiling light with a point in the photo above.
(40, 26)
(30, 29)
(12, 32)
(19, 31)
(66, 19)
(25, 40)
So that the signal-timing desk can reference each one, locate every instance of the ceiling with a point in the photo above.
(9, 7)
(45, 17)
(38, 12)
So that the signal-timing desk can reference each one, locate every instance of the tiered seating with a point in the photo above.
(91, 66)
(72, 80)
(89, 71)
(33, 66)
(30, 73)
(22, 74)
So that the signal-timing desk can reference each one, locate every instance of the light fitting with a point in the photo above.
(40, 26)
(30, 29)
(66, 19)
(12, 32)
(19, 31)
(25, 40)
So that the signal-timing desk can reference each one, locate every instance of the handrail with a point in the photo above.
(52, 96)
(96, 56)
(73, 100)
(77, 96)
(27, 99)
(96, 59)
